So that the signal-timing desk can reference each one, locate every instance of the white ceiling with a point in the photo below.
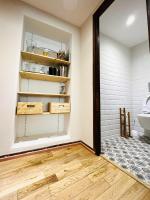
(72, 11)
(113, 22)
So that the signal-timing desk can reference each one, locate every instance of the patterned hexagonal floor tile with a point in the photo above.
(131, 154)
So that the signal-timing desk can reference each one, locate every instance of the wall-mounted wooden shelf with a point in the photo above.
(42, 94)
(44, 113)
(43, 77)
(45, 60)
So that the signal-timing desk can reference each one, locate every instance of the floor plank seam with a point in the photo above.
(83, 176)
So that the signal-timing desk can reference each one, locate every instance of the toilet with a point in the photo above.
(144, 118)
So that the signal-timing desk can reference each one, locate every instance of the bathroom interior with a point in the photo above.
(125, 83)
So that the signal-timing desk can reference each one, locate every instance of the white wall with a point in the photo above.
(11, 21)
(115, 75)
(140, 78)
(87, 82)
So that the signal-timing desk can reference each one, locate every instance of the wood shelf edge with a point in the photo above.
(41, 58)
(43, 77)
(43, 94)
(44, 113)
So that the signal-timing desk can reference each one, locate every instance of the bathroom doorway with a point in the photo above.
(122, 81)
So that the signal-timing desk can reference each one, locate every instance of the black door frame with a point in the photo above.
(96, 72)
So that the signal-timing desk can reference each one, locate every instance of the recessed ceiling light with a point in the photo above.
(130, 20)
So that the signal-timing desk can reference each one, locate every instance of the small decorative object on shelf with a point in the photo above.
(31, 45)
(52, 70)
(67, 55)
(62, 70)
(66, 71)
(52, 54)
(41, 70)
(35, 68)
(57, 71)
(25, 66)
(62, 89)
(61, 55)
(45, 52)
(38, 50)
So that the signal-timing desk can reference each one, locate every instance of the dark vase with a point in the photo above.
(50, 70)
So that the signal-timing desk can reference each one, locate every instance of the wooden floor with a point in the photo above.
(65, 174)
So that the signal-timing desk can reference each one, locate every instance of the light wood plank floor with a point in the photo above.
(65, 174)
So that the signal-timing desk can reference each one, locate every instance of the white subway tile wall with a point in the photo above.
(125, 74)
(115, 60)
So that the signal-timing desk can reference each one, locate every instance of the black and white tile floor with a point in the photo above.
(131, 154)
